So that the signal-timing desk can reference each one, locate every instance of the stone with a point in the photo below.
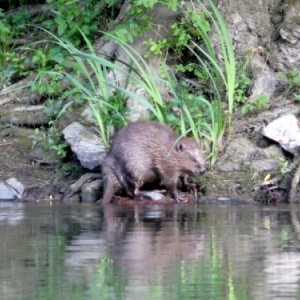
(16, 187)
(88, 147)
(90, 191)
(242, 156)
(265, 81)
(5, 192)
(285, 131)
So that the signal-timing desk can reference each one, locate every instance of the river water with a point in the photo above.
(56, 251)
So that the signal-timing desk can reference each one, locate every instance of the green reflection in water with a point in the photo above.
(188, 279)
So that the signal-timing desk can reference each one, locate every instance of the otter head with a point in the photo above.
(192, 158)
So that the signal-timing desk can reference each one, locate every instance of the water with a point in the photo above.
(57, 251)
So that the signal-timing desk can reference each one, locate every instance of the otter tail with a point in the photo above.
(108, 189)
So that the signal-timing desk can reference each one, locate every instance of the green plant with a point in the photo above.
(260, 103)
(136, 21)
(18, 21)
(197, 114)
(220, 75)
(89, 77)
(71, 15)
(293, 79)
(183, 32)
(5, 36)
(52, 140)
(284, 165)
(157, 48)
(16, 65)
(240, 89)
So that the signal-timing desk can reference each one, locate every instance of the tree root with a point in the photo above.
(75, 187)
(17, 91)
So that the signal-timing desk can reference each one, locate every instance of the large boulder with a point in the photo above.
(285, 131)
(88, 147)
(241, 155)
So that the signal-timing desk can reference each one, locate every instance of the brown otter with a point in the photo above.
(144, 152)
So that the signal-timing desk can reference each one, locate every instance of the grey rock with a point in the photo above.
(16, 187)
(285, 131)
(87, 115)
(90, 191)
(137, 111)
(88, 147)
(5, 192)
(242, 155)
(286, 55)
(265, 82)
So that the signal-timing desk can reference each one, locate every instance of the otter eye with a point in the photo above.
(193, 159)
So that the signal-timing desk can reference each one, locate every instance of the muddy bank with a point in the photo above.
(43, 180)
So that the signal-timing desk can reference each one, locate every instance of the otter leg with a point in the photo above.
(171, 186)
(191, 187)
(108, 189)
(137, 192)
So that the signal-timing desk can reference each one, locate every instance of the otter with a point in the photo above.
(145, 152)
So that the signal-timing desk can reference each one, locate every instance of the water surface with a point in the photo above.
(85, 251)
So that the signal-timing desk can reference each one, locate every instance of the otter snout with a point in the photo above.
(201, 170)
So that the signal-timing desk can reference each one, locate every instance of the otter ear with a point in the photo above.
(178, 147)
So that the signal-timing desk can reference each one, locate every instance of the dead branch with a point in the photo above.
(16, 87)
(29, 108)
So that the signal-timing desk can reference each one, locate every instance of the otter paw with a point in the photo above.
(180, 198)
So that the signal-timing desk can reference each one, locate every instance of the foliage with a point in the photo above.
(284, 165)
(106, 104)
(219, 75)
(136, 21)
(17, 61)
(260, 103)
(183, 33)
(195, 113)
(240, 88)
(292, 77)
(52, 140)
(71, 15)
(5, 28)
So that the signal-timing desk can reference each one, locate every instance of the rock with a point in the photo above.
(285, 131)
(155, 196)
(137, 111)
(242, 155)
(285, 53)
(87, 115)
(265, 82)
(16, 187)
(90, 191)
(5, 192)
(76, 187)
(88, 147)
(11, 189)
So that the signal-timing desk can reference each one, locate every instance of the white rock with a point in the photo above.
(16, 187)
(285, 130)
(5, 192)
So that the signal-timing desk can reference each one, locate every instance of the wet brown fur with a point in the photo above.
(146, 151)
